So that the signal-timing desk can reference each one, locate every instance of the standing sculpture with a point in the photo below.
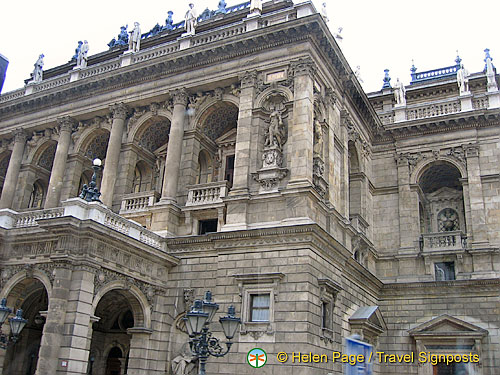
(81, 60)
(191, 19)
(256, 6)
(324, 13)
(463, 80)
(318, 139)
(274, 136)
(134, 41)
(169, 22)
(399, 93)
(77, 50)
(38, 71)
(490, 72)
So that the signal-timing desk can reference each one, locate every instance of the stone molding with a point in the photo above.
(119, 111)
(180, 97)
(248, 79)
(304, 66)
(20, 135)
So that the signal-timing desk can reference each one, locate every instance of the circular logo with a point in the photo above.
(256, 358)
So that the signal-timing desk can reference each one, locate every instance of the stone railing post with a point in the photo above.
(10, 184)
(174, 151)
(59, 166)
(119, 112)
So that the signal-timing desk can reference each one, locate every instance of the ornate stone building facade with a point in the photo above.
(246, 159)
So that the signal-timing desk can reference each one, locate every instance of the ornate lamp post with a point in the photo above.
(17, 324)
(91, 193)
(201, 341)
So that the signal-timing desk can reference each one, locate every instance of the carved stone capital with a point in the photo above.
(303, 67)
(119, 111)
(180, 97)
(471, 150)
(248, 79)
(19, 135)
(66, 123)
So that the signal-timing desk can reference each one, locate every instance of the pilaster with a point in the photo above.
(10, 183)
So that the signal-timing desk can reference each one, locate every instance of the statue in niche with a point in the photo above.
(463, 80)
(184, 363)
(274, 136)
(318, 139)
(134, 42)
(191, 20)
(399, 92)
(256, 6)
(38, 71)
(82, 58)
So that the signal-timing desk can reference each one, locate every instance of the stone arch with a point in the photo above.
(274, 91)
(136, 299)
(20, 277)
(43, 155)
(206, 105)
(425, 164)
(217, 118)
(139, 126)
(88, 136)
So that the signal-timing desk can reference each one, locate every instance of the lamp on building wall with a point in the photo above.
(201, 340)
(17, 324)
(91, 193)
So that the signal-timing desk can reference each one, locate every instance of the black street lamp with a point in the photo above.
(17, 324)
(91, 193)
(201, 341)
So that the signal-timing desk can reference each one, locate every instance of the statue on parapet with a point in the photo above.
(77, 50)
(221, 9)
(399, 93)
(134, 41)
(256, 6)
(169, 22)
(463, 80)
(122, 38)
(490, 72)
(191, 20)
(324, 13)
(38, 71)
(81, 60)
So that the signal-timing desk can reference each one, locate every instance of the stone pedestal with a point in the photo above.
(493, 99)
(185, 41)
(126, 58)
(399, 113)
(466, 102)
(271, 173)
(252, 21)
(74, 75)
(30, 87)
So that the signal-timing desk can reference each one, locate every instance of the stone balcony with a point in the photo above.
(138, 202)
(443, 242)
(208, 194)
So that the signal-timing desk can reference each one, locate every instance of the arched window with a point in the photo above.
(142, 177)
(37, 197)
(204, 167)
(355, 183)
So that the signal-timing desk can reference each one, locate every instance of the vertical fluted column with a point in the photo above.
(10, 183)
(172, 164)
(119, 112)
(59, 166)
(301, 130)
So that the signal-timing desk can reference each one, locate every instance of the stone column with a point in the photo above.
(476, 199)
(300, 130)
(409, 225)
(138, 363)
(10, 183)
(119, 112)
(243, 135)
(48, 355)
(59, 166)
(174, 151)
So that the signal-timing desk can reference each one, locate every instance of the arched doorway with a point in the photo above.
(117, 310)
(31, 296)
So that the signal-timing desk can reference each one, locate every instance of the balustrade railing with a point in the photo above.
(209, 193)
(29, 218)
(432, 110)
(449, 71)
(480, 103)
(12, 95)
(99, 69)
(138, 201)
(443, 241)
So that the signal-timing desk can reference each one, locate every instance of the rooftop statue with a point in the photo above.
(191, 20)
(82, 58)
(463, 80)
(122, 38)
(221, 7)
(38, 71)
(399, 92)
(155, 30)
(256, 6)
(134, 42)
(490, 72)
(77, 50)
(169, 21)
(324, 13)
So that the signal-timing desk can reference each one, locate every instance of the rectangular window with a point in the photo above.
(444, 271)
(207, 226)
(259, 307)
(326, 315)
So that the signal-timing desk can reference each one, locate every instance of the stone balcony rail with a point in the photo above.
(433, 110)
(480, 103)
(443, 241)
(82, 210)
(29, 218)
(12, 95)
(100, 68)
(51, 83)
(138, 201)
(205, 194)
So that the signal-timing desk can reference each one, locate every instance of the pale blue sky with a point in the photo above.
(377, 34)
